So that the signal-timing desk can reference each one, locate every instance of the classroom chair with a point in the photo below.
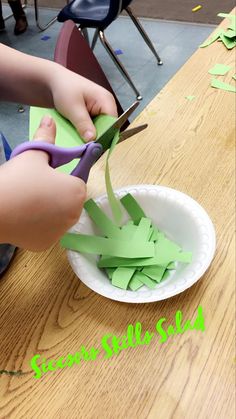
(99, 14)
(73, 52)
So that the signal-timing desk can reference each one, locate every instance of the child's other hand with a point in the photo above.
(78, 98)
(39, 203)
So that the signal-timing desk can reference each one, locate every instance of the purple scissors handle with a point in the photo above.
(88, 154)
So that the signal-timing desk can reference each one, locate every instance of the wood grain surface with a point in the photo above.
(46, 310)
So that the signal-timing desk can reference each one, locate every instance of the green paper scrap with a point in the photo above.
(135, 283)
(154, 272)
(234, 77)
(171, 265)
(228, 42)
(102, 246)
(66, 134)
(134, 255)
(232, 18)
(230, 33)
(218, 84)
(140, 276)
(109, 272)
(122, 276)
(219, 70)
(113, 201)
(213, 38)
(190, 97)
(133, 208)
(105, 224)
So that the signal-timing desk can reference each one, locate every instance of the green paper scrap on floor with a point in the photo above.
(219, 70)
(133, 255)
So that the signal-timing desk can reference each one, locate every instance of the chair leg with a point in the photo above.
(144, 34)
(24, 5)
(85, 34)
(36, 12)
(95, 37)
(118, 64)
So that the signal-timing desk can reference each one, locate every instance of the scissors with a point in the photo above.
(89, 153)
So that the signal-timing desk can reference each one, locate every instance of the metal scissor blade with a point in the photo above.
(130, 132)
(106, 138)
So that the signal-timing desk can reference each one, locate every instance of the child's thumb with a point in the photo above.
(46, 130)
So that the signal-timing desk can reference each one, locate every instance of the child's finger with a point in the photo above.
(46, 130)
(80, 118)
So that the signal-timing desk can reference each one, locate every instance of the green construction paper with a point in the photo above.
(102, 246)
(110, 271)
(128, 231)
(190, 97)
(213, 38)
(122, 276)
(133, 208)
(219, 69)
(142, 232)
(135, 283)
(105, 224)
(154, 272)
(155, 234)
(230, 33)
(234, 77)
(171, 265)
(228, 42)
(140, 276)
(113, 201)
(232, 18)
(162, 260)
(66, 133)
(218, 84)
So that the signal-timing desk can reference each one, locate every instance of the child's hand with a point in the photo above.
(38, 203)
(77, 98)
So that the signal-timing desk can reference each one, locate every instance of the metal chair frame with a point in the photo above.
(36, 13)
(118, 63)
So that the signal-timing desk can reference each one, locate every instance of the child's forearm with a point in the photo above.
(25, 79)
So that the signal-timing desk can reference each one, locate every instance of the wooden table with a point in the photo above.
(46, 310)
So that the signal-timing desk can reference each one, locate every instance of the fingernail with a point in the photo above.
(88, 135)
(46, 121)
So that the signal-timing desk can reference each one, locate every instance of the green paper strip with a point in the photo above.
(109, 272)
(232, 18)
(218, 84)
(219, 69)
(133, 208)
(140, 276)
(142, 232)
(135, 283)
(103, 246)
(105, 224)
(230, 33)
(154, 272)
(113, 201)
(228, 42)
(128, 231)
(121, 277)
(213, 38)
(109, 262)
(171, 265)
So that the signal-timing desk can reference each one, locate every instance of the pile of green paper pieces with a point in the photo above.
(228, 37)
(133, 255)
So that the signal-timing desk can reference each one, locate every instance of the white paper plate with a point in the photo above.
(181, 218)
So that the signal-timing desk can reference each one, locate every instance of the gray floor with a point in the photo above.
(175, 43)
